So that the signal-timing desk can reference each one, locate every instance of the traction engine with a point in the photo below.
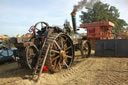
(48, 46)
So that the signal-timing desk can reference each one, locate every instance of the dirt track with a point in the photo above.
(91, 71)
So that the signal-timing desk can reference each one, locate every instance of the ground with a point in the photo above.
(87, 71)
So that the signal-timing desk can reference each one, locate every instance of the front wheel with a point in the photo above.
(85, 49)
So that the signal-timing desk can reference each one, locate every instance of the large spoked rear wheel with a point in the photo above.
(85, 49)
(61, 52)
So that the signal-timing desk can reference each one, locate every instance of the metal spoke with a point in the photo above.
(57, 45)
(86, 49)
(66, 64)
(67, 52)
(55, 63)
(65, 41)
(55, 58)
(53, 55)
(54, 46)
(68, 48)
(68, 56)
(55, 51)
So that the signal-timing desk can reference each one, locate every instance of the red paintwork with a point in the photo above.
(98, 30)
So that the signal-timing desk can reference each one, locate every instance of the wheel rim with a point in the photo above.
(86, 49)
(61, 53)
(31, 56)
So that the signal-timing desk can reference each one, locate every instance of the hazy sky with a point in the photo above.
(16, 16)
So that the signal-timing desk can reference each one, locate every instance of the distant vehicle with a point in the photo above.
(6, 54)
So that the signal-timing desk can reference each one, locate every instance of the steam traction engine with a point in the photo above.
(47, 46)
(51, 47)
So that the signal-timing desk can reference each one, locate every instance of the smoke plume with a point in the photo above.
(84, 3)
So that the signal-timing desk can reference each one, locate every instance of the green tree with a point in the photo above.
(103, 12)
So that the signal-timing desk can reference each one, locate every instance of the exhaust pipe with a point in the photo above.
(73, 15)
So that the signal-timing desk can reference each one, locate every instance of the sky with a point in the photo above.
(16, 16)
